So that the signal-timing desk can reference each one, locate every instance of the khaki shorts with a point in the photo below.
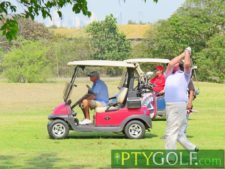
(94, 104)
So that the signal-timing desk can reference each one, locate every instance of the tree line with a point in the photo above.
(37, 54)
(199, 24)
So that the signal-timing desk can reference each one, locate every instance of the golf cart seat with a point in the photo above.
(119, 100)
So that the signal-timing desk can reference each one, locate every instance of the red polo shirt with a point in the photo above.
(159, 82)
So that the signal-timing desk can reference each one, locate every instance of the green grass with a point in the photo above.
(24, 142)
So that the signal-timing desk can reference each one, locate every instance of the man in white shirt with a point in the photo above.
(176, 101)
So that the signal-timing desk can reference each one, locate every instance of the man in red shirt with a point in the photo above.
(158, 81)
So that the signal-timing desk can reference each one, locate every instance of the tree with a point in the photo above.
(33, 8)
(63, 50)
(28, 63)
(31, 30)
(192, 25)
(211, 60)
(107, 41)
(199, 24)
(1, 59)
(172, 36)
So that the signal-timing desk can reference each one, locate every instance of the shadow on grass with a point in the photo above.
(87, 166)
(163, 137)
(6, 162)
(103, 136)
(188, 136)
(159, 119)
(43, 161)
(107, 167)
(79, 166)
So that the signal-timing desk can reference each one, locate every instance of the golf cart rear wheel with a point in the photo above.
(134, 129)
(58, 129)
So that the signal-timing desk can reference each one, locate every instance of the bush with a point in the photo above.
(61, 51)
(27, 64)
(211, 60)
(31, 30)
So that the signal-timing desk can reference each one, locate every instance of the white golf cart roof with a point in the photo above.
(105, 63)
(147, 60)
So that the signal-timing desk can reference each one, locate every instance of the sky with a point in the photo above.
(124, 10)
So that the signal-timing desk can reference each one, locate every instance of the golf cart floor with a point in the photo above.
(92, 127)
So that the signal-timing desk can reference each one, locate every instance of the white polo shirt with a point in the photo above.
(176, 86)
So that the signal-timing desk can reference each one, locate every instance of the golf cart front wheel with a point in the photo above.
(58, 129)
(134, 129)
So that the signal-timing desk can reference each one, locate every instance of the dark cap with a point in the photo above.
(93, 73)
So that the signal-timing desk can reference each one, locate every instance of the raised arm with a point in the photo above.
(187, 60)
(173, 62)
(186, 55)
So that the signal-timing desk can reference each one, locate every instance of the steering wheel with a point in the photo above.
(88, 87)
(83, 97)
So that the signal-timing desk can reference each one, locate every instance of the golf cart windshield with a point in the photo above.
(69, 85)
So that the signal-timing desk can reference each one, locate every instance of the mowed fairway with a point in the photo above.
(24, 141)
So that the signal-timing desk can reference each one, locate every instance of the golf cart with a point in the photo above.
(124, 113)
(155, 103)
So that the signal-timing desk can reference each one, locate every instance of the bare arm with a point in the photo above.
(190, 99)
(191, 93)
(173, 62)
(187, 60)
(162, 91)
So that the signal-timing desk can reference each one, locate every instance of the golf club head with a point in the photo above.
(197, 91)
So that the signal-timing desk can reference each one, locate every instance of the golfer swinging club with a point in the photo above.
(176, 98)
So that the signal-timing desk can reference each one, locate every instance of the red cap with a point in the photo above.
(159, 67)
